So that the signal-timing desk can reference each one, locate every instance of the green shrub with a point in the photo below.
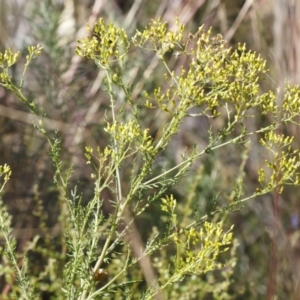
(185, 247)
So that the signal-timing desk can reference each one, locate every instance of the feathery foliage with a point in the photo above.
(100, 261)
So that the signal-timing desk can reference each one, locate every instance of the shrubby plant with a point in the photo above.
(100, 261)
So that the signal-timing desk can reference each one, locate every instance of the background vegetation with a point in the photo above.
(69, 89)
